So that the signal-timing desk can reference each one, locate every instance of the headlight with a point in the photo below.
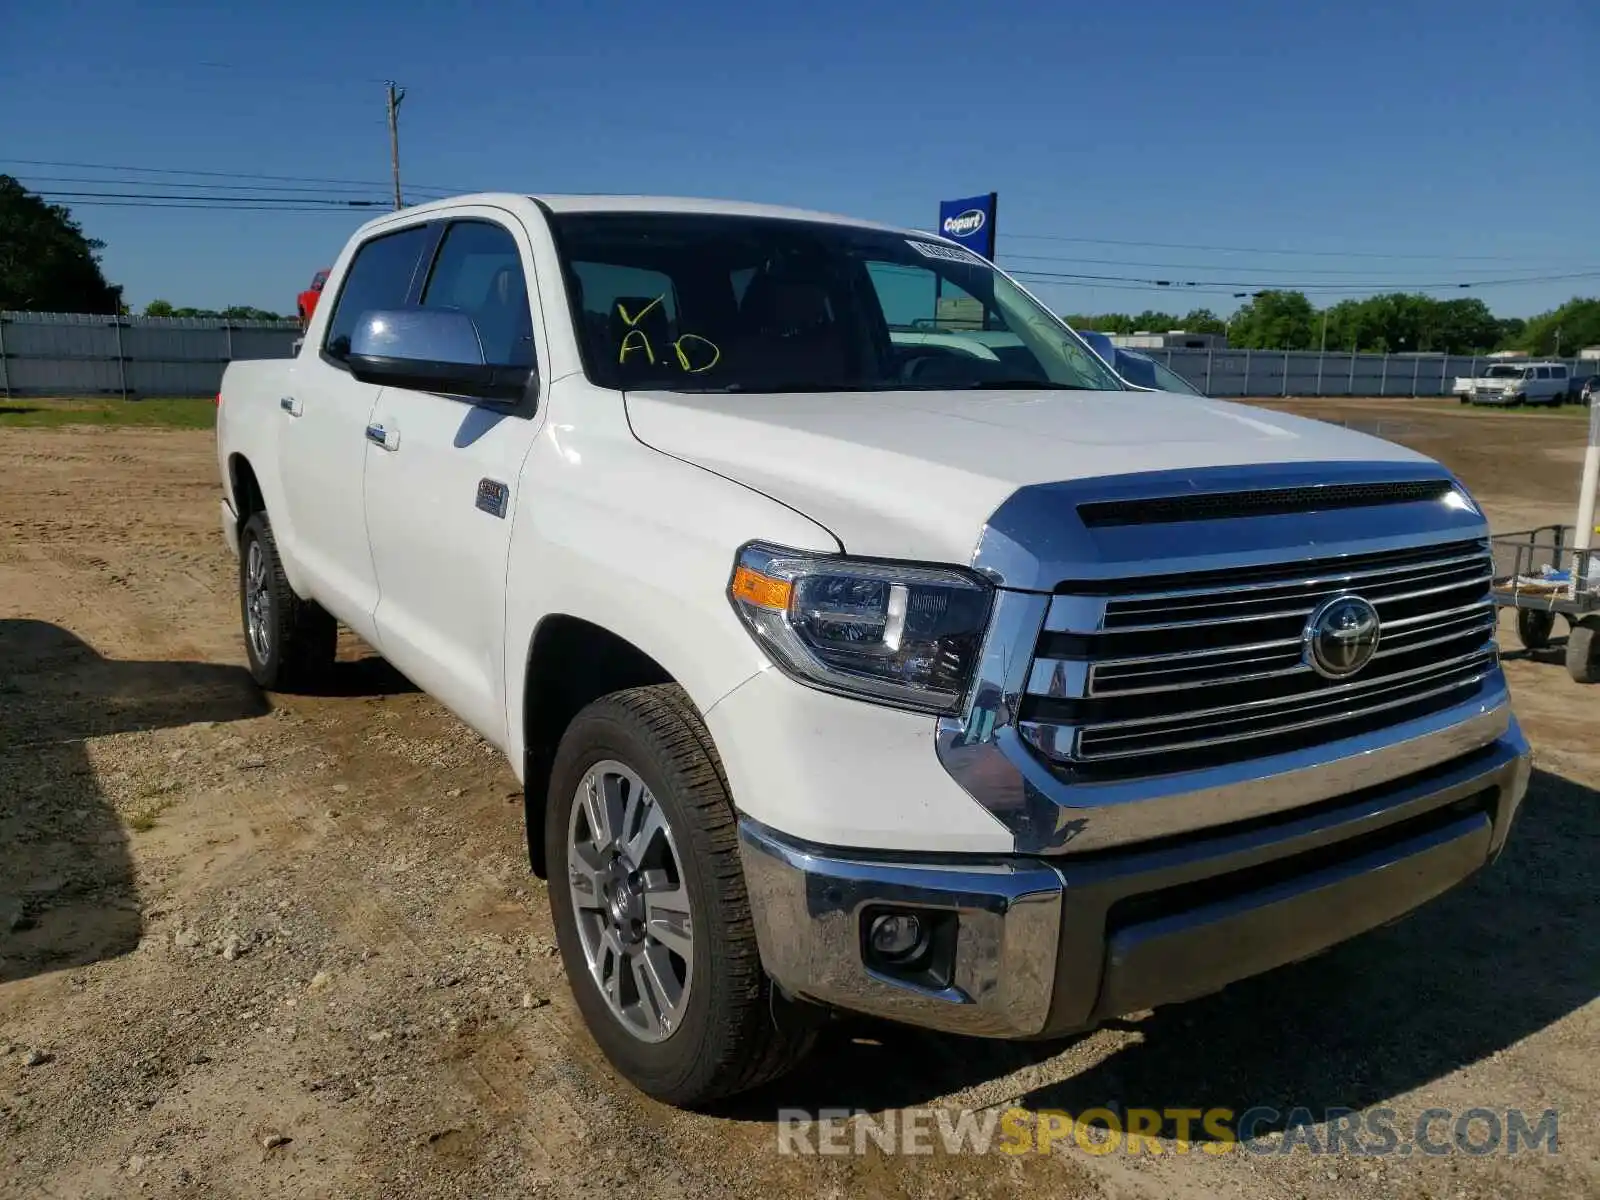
(903, 635)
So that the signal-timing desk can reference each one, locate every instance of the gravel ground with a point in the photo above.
(281, 946)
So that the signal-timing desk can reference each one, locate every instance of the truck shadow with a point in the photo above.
(67, 890)
(361, 671)
(1472, 973)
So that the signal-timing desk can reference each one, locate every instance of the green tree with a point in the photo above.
(1150, 321)
(1276, 320)
(1202, 320)
(1511, 331)
(1104, 322)
(46, 263)
(1463, 326)
(1577, 322)
(158, 308)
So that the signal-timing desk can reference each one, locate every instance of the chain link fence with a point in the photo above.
(71, 354)
(1313, 373)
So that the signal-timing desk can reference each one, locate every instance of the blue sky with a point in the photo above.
(1304, 144)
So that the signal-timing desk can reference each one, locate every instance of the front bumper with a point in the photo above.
(1044, 946)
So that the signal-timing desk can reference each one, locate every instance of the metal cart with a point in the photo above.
(1534, 573)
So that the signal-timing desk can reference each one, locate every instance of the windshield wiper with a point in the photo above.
(1019, 385)
(781, 389)
(975, 385)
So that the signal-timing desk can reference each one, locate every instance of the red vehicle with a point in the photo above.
(307, 301)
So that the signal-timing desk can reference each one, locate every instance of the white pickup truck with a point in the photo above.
(844, 669)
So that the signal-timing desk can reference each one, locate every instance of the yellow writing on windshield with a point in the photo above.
(635, 339)
(690, 349)
(699, 345)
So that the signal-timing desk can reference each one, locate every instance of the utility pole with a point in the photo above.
(395, 96)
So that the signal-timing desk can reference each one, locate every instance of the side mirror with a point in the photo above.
(430, 350)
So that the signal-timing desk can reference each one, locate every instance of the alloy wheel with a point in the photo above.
(630, 901)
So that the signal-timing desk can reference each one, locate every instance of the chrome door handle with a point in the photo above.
(290, 405)
(389, 439)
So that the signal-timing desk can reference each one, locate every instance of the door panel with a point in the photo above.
(441, 483)
(322, 456)
(439, 515)
(322, 443)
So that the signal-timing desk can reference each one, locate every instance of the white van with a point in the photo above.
(1521, 383)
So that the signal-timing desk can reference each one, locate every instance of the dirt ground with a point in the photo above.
(265, 947)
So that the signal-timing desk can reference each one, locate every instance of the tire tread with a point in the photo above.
(306, 635)
(758, 1047)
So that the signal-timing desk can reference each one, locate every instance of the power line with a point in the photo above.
(1058, 237)
(435, 190)
(194, 185)
(222, 201)
(1185, 284)
(1165, 267)
(82, 166)
(208, 207)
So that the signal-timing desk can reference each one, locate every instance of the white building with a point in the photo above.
(1173, 339)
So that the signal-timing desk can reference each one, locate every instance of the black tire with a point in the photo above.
(1534, 627)
(301, 637)
(735, 1033)
(1583, 651)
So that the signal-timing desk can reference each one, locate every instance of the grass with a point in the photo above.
(19, 412)
(1399, 404)
(159, 797)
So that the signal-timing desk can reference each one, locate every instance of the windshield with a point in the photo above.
(705, 302)
(1503, 373)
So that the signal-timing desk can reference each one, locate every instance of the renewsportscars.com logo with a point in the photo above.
(1262, 1130)
(965, 224)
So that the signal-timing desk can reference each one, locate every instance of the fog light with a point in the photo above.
(897, 936)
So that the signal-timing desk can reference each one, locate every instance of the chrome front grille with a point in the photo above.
(1150, 676)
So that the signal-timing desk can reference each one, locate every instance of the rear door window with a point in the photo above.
(379, 277)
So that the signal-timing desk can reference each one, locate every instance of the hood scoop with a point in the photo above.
(1216, 506)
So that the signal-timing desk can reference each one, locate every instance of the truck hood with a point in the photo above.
(918, 474)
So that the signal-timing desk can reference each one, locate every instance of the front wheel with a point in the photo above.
(650, 906)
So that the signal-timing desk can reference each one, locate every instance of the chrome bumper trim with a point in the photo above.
(1038, 950)
(1049, 816)
(807, 906)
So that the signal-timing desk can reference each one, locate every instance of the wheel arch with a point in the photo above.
(571, 663)
(244, 488)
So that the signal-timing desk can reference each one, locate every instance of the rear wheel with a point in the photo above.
(1583, 651)
(650, 906)
(1534, 626)
(290, 641)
